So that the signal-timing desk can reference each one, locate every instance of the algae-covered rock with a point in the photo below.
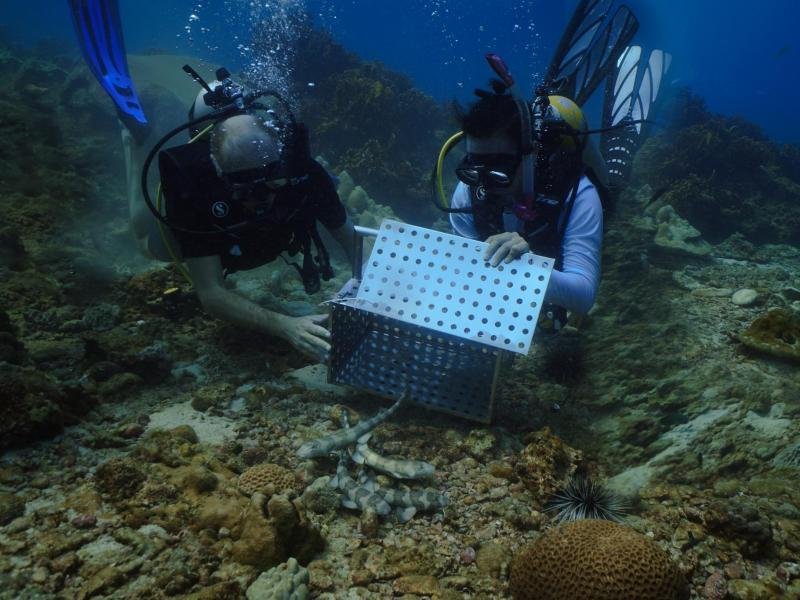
(11, 349)
(119, 478)
(12, 250)
(742, 522)
(287, 581)
(259, 545)
(546, 463)
(676, 233)
(776, 333)
(215, 395)
(11, 507)
(34, 405)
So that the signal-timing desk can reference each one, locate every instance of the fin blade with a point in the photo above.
(99, 30)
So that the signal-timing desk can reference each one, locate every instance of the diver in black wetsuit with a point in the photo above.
(243, 191)
(240, 198)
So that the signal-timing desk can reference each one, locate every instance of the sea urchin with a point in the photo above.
(584, 498)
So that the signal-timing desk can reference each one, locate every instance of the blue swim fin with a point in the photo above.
(99, 30)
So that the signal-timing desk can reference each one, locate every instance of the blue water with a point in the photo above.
(741, 56)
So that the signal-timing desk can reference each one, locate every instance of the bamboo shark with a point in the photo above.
(354, 494)
(395, 467)
(347, 437)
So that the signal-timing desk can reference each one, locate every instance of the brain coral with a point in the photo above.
(595, 560)
(267, 478)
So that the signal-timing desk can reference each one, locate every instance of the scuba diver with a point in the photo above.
(531, 178)
(241, 192)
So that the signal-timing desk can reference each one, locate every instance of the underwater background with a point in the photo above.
(149, 451)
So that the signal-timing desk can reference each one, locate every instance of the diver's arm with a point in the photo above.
(304, 333)
(345, 237)
(575, 285)
(463, 224)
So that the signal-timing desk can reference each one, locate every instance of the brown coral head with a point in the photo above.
(776, 333)
(595, 560)
(268, 479)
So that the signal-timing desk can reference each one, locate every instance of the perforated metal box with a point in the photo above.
(429, 313)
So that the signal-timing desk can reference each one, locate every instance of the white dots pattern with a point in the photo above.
(440, 281)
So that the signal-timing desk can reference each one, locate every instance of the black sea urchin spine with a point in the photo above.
(584, 498)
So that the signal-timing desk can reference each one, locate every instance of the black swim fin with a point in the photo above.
(99, 30)
(589, 48)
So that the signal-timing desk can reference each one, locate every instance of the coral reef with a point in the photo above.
(35, 405)
(371, 122)
(139, 496)
(595, 560)
(11, 349)
(776, 333)
(119, 478)
(723, 175)
(268, 479)
(287, 581)
(545, 464)
(677, 234)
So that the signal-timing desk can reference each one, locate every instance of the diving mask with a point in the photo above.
(488, 171)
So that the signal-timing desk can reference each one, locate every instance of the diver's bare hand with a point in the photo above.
(307, 335)
(508, 246)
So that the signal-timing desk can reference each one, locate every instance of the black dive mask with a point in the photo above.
(256, 188)
(492, 172)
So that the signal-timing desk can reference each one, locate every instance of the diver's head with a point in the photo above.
(494, 139)
(248, 155)
(491, 129)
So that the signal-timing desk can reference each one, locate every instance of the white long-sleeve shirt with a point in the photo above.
(574, 286)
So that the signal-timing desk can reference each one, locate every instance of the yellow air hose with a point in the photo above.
(448, 145)
(174, 255)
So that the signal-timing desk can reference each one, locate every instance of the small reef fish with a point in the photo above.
(395, 467)
(355, 495)
(346, 437)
